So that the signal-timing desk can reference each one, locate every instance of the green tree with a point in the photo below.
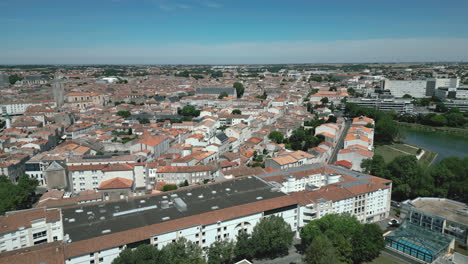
(169, 187)
(236, 112)
(14, 78)
(324, 100)
(16, 196)
(244, 248)
(321, 251)
(222, 95)
(183, 252)
(386, 130)
(272, 237)
(351, 91)
(221, 252)
(341, 230)
(124, 114)
(239, 89)
(143, 254)
(276, 137)
(407, 96)
(331, 119)
(438, 120)
(376, 166)
(368, 243)
(189, 111)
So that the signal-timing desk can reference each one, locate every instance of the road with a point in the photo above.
(340, 143)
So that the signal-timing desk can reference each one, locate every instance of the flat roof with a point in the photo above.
(89, 221)
(451, 210)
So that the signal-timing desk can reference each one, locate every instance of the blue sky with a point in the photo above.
(232, 31)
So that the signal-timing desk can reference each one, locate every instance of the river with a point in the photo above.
(444, 145)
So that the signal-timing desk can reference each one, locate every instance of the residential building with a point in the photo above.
(21, 229)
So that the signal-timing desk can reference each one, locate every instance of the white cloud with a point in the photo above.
(373, 50)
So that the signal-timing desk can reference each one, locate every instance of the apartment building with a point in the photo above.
(180, 174)
(21, 229)
(19, 108)
(97, 233)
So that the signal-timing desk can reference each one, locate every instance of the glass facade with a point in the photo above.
(418, 242)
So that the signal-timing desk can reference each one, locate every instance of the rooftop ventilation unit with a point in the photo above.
(137, 210)
(164, 204)
(180, 205)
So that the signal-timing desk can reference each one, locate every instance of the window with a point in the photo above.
(39, 235)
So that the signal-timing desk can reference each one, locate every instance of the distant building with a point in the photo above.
(59, 93)
(36, 79)
(398, 105)
(418, 88)
(216, 91)
(4, 80)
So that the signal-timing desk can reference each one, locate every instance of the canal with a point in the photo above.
(444, 145)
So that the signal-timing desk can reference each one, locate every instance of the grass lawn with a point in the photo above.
(390, 152)
(382, 259)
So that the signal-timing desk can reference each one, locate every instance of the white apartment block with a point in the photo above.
(19, 108)
(220, 210)
(28, 228)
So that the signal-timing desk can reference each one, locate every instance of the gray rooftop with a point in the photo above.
(90, 221)
(216, 90)
(451, 210)
(359, 176)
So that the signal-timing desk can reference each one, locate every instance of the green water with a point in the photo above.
(444, 145)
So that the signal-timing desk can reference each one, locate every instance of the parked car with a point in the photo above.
(393, 222)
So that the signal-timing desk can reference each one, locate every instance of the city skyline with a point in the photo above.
(228, 32)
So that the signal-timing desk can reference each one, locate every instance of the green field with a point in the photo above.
(390, 152)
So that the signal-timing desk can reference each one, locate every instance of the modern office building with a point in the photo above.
(440, 215)
(418, 88)
(399, 105)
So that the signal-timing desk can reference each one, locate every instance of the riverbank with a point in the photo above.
(424, 156)
(443, 143)
(456, 131)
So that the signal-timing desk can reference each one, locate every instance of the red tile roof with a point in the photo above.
(116, 183)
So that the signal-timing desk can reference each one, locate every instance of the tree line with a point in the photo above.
(271, 238)
(300, 139)
(446, 179)
(340, 239)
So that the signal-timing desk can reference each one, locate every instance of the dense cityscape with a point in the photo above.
(98, 160)
(233, 132)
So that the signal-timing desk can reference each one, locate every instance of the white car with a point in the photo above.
(393, 222)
